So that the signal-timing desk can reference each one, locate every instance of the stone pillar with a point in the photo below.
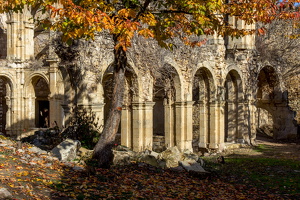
(203, 125)
(137, 127)
(214, 119)
(13, 116)
(241, 123)
(126, 125)
(142, 125)
(8, 115)
(252, 117)
(13, 36)
(148, 124)
(232, 123)
(169, 124)
(55, 108)
(19, 111)
(20, 34)
(221, 129)
(184, 125)
(29, 41)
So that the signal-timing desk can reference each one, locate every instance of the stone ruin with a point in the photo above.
(205, 97)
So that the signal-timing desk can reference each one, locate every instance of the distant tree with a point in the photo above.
(162, 20)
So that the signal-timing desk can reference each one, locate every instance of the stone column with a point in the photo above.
(19, 111)
(232, 123)
(13, 36)
(126, 125)
(55, 108)
(142, 125)
(184, 125)
(214, 118)
(189, 125)
(252, 117)
(8, 115)
(203, 125)
(221, 129)
(137, 127)
(29, 41)
(148, 124)
(241, 123)
(169, 124)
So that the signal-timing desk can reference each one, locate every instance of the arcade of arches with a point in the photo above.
(213, 116)
(199, 98)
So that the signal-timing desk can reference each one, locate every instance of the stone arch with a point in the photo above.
(166, 92)
(268, 84)
(38, 92)
(204, 98)
(6, 104)
(272, 99)
(237, 71)
(178, 79)
(233, 110)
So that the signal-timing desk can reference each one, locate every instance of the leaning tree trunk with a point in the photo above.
(103, 148)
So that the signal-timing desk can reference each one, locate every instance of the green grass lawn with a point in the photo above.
(277, 175)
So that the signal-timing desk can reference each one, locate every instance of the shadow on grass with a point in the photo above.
(271, 166)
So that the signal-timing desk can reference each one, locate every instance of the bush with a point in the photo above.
(84, 127)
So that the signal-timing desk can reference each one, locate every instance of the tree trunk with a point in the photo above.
(103, 148)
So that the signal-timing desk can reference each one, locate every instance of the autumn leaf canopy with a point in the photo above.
(158, 19)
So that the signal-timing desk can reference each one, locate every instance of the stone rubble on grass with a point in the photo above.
(37, 150)
(192, 166)
(170, 158)
(5, 194)
(66, 150)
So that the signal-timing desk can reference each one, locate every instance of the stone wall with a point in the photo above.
(208, 94)
(276, 49)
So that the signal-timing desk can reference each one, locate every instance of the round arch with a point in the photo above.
(38, 107)
(203, 91)
(268, 85)
(6, 104)
(233, 109)
(177, 78)
(236, 72)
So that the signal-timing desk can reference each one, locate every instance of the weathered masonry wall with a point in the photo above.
(193, 98)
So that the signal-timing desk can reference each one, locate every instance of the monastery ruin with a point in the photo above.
(204, 97)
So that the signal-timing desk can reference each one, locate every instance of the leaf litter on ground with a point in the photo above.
(51, 179)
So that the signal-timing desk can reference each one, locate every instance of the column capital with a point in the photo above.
(184, 103)
(142, 105)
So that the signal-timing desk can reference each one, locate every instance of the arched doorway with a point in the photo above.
(164, 97)
(4, 98)
(233, 111)
(203, 96)
(42, 109)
